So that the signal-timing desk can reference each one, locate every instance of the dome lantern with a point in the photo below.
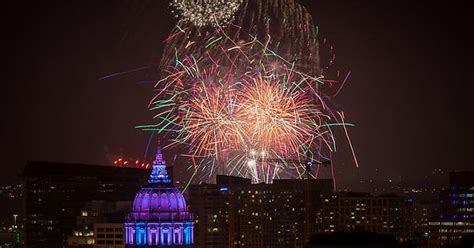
(159, 175)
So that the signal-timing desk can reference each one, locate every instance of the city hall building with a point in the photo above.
(159, 215)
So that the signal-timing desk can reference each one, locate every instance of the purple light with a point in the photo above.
(159, 173)
(159, 215)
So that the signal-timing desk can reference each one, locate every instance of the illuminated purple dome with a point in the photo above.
(160, 204)
(159, 213)
(150, 200)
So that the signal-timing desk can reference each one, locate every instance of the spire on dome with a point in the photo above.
(158, 172)
(159, 156)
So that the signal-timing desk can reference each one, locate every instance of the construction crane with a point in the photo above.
(308, 163)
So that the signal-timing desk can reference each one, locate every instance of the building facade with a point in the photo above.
(235, 213)
(102, 213)
(455, 217)
(109, 235)
(56, 193)
(356, 212)
(287, 213)
(159, 215)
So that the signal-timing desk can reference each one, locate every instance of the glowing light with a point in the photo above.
(252, 163)
(207, 13)
(131, 162)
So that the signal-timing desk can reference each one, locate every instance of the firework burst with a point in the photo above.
(234, 100)
(278, 117)
(209, 123)
(223, 110)
(207, 12)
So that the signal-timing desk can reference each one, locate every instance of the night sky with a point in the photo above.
(409, 94)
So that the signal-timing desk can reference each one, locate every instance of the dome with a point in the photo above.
(159, 200)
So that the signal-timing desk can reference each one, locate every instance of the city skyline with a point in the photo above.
(237, 123)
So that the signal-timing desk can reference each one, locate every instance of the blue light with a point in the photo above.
(187, 235)
(141, 233)
(224, 189)
(410, 200)
(159, 173)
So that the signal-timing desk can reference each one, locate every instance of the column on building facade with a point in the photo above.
(130, 234)
(127, 241)
(163, 234)
(180, 230)
(159, 235)
(168, 234)
(141, 231)
(187, 231)
(176, 230)
(148, 233)
(132, 238)
(154, 233)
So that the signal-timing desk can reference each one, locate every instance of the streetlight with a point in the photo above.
(14, 218)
